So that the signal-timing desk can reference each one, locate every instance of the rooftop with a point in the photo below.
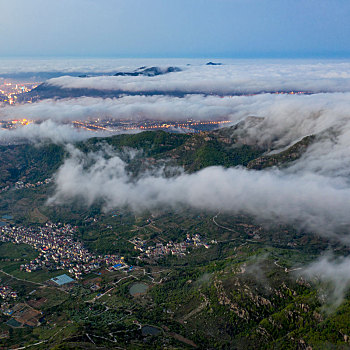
(62, 279)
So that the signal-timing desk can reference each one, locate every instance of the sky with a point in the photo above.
(179, 28)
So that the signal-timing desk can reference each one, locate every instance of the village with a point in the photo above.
(20, 185)
(161, 249)
(6, 292)
(58, 250)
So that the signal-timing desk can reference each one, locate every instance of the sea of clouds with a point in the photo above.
(232, 78)
(313, 193)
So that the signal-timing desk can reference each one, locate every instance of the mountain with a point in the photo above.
(28, 163)
(190, 151)
(236, 285)
(149, 72)
(48, 91)
(213, 64)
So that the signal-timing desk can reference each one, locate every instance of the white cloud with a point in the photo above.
(312, 192)
(287, 118)
(334, 273)
(238, 77)
(48, 130)
(128, 107)
(308, 200)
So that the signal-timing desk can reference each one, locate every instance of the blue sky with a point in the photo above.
(175, 28)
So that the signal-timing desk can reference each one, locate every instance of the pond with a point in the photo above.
(138, 288)
(13, 323)
(149, 330)
(7, 217)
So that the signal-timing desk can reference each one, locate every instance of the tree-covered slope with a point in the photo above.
(31, 163)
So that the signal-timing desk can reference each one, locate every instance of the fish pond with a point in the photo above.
(138, 288)
(150, 330)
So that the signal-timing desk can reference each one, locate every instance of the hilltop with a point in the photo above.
(191, 151)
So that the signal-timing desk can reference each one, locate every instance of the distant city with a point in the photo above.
(110, 125)
(9, 91)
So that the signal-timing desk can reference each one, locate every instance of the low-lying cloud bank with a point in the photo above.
(46, 131)
(234, 78)
(312, 192)
(310, 201)
(287, 118)
(128, 107)
(334, 273)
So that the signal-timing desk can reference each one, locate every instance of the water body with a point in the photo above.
(2, 224)
(138, 288)
(149, 330)
(13, 323)
(7, 217)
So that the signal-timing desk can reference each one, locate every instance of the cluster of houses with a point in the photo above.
(5, 308)
(6, 292)
(160, 249)
(20, 184)
(57, 249)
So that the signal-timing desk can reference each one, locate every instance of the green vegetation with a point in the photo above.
(29, 163)
(150, 142)
(283, 158)
(238, 292)
(19, 251)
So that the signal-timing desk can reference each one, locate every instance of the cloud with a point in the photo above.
(47, 130)
(128, 107)
(239, 77)
(334, 274)
(309, 201)
(312, 193)
(286, 118)
(283, 120)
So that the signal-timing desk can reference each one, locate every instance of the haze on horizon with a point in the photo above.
(191, 28)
